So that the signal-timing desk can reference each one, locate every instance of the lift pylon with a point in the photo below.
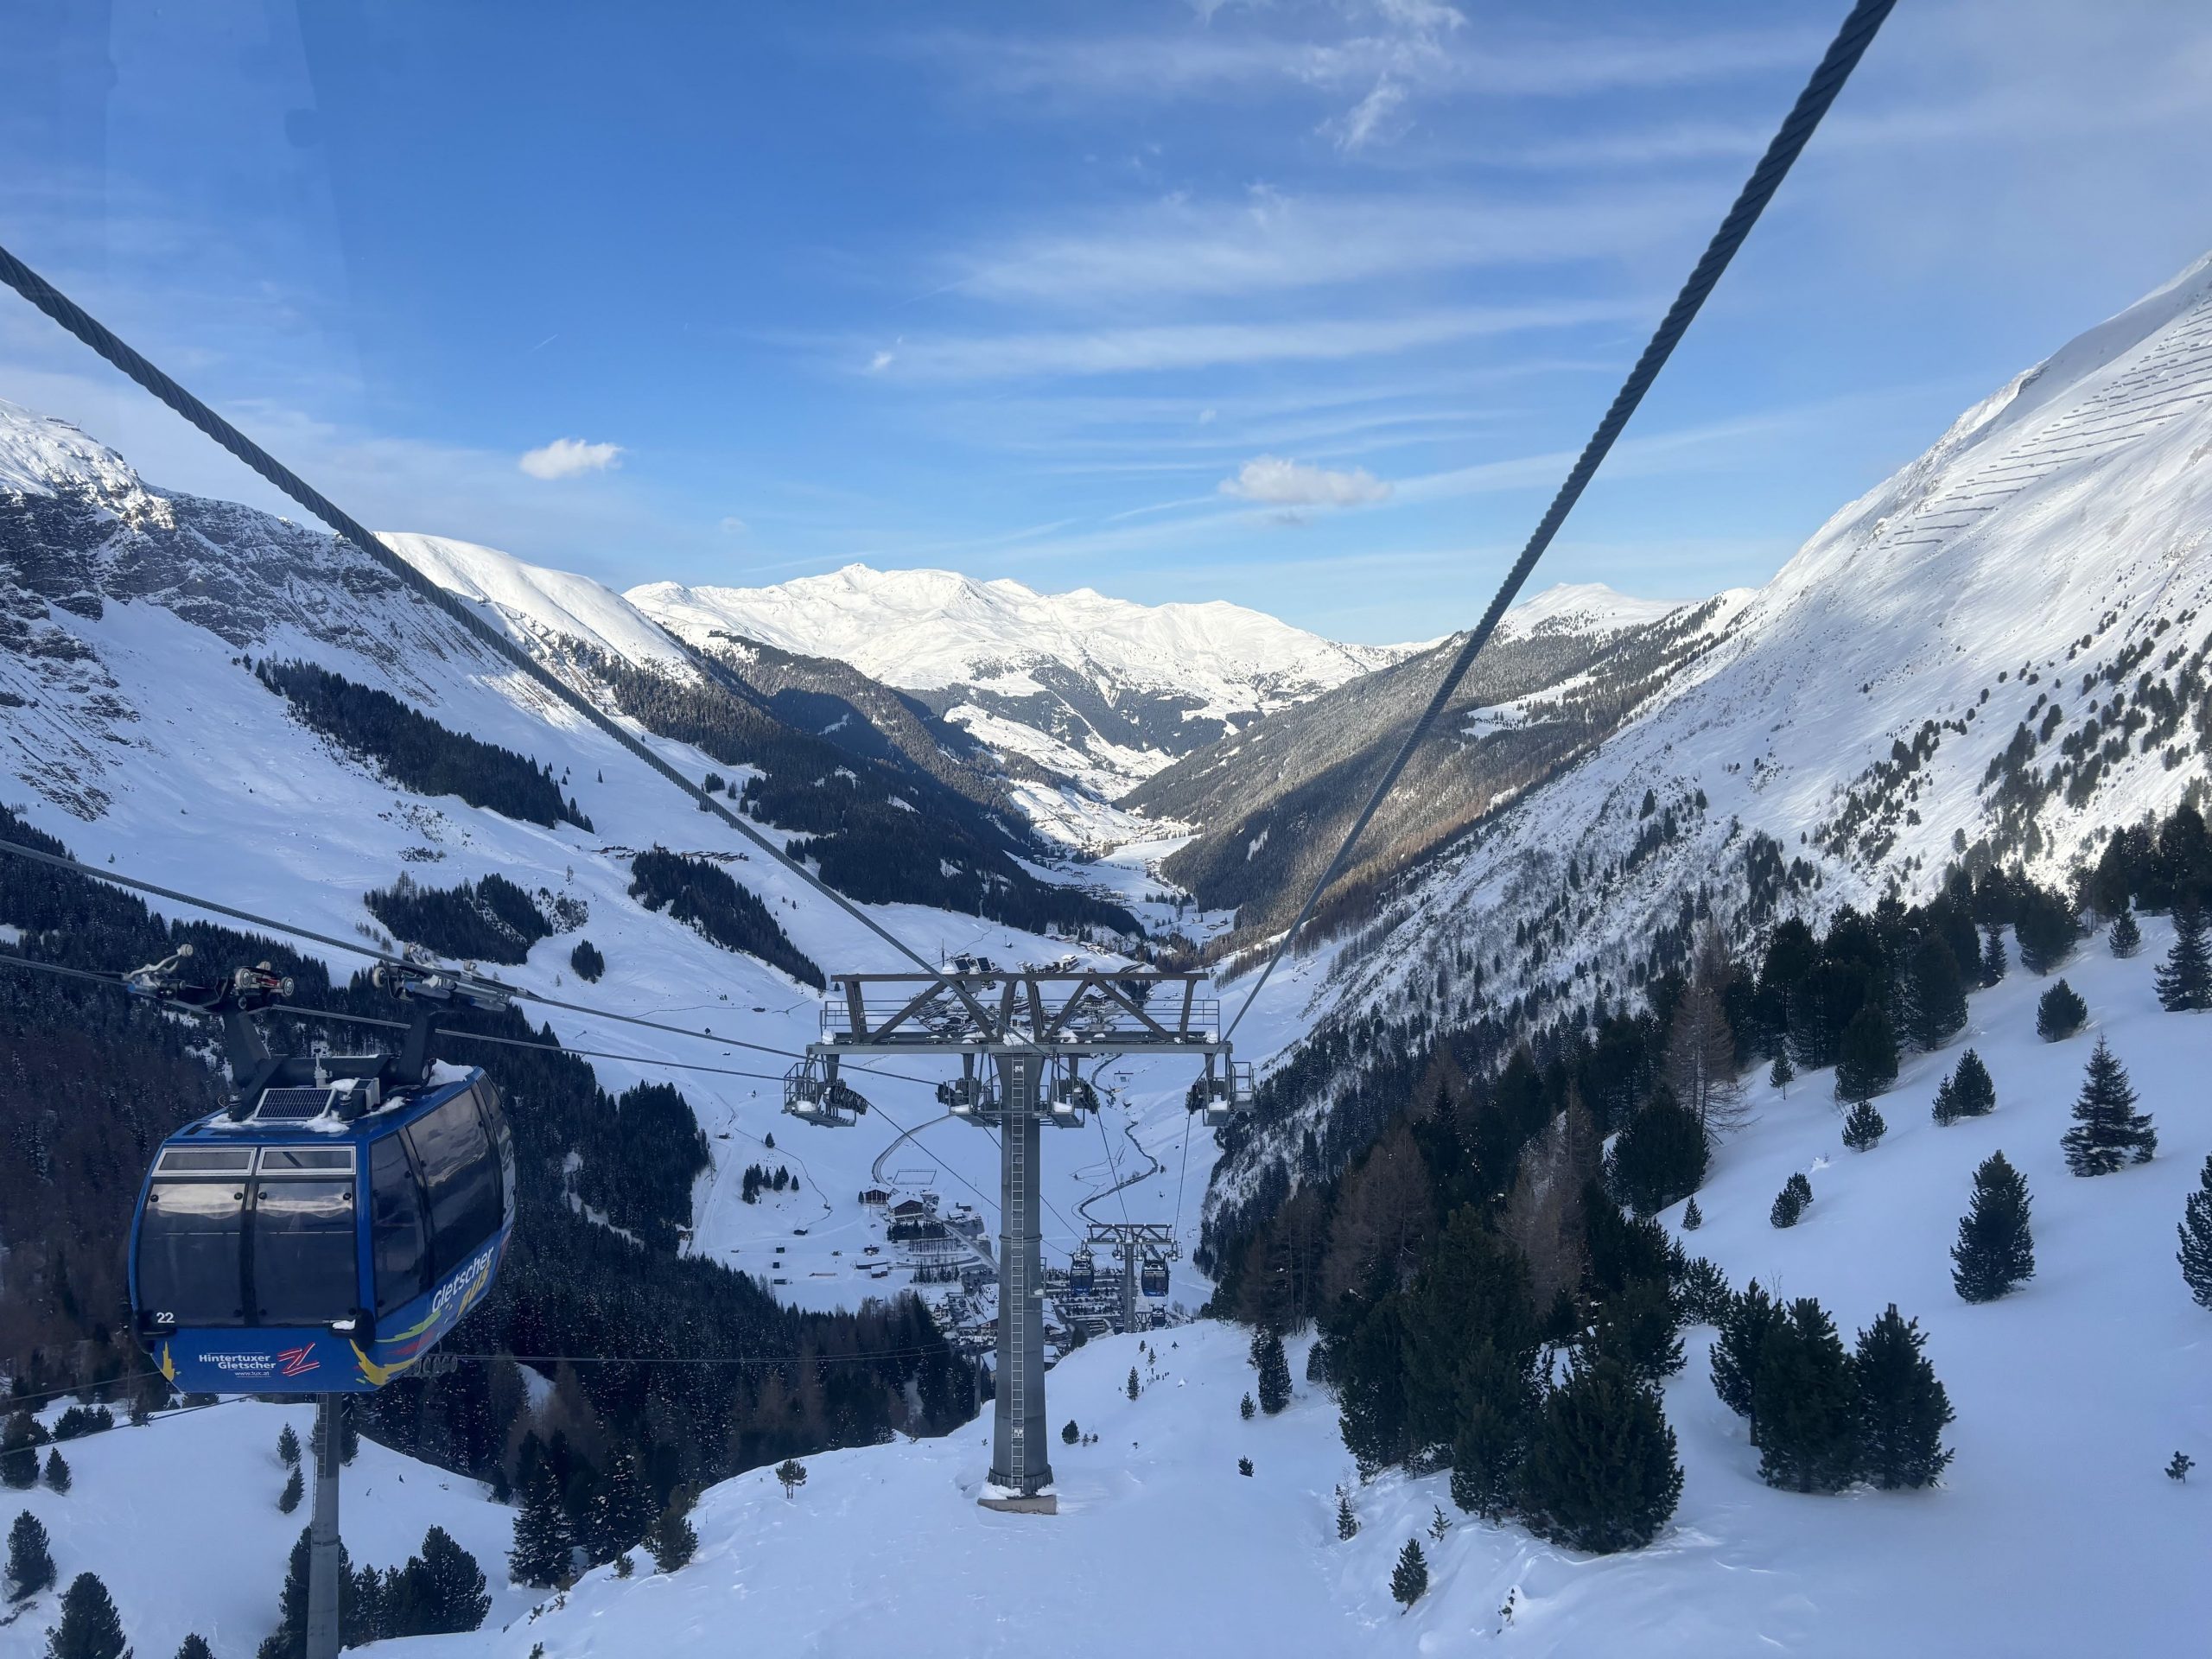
(1019, 1035)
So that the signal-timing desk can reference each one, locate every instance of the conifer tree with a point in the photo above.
(1693, 1218)
(2059, 1013)
(1790, 1203)
(1742, 1325)
(1702, 1291)
(672, 1541)
(2045, 928)
(294, 1489)
(1070, 1435)
(1866, 1055)
(1937, 1000)
(1659, 1158)
(543, 1553)
(1638, 1324)
(1863, 1127)
(359, 1595)
(1996, 1250)
(2107, 1130)
(57, 1472)
(1274, 1371)
(1993, 955)
(2195, 1231)
(2125, 938)
(1903, 1409)
(439, 1592)
(1601, 1474)
(90, 1627)
(30, 1558)
(1409, 1579)
(195, 1646)
(1781, 1072)
(1946, 1109)
(1130, 1387)
(2178, 1465)
(1972, 1095)
(1347, 1523)
(288, 1446)
(1804, 1403)
(19, 1443)
(1440, 1527)
(792, 1474)
(2185, 981)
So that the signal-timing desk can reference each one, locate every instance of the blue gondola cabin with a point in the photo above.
(326, 1239)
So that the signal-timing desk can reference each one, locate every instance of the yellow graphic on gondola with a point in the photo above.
(168, 1365)
(444, 1315)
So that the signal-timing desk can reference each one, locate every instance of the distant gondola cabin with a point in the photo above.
(325, 1241)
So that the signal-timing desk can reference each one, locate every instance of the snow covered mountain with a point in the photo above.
(2001, 653)
(1101, 690)
(1273, 801)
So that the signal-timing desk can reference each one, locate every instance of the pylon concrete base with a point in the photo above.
(1015, 1504)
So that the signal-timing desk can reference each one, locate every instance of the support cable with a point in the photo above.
(1842, 57)
(87, 328)
(521, 993)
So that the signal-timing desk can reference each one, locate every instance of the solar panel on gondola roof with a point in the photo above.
(293, 1104)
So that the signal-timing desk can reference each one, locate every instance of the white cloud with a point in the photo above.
(567, 457)
(1274, 482)
(1193, 346)
(1265, 241)
(881, 361)
(1372, 120)
(734, 526)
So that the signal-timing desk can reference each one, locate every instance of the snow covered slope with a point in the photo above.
(131, 727)
(1999, 653)
(540, 607)
(2055, 1532)
(179, 1519)
(1102, 691)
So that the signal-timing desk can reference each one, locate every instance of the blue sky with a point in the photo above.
(1306, 306)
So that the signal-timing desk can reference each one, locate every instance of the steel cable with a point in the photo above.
(1827, 79)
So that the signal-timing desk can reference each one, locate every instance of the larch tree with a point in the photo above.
(1700, 1064)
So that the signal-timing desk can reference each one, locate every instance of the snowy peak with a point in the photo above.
(1581, 608)
(535, 603)
(38, 453)
(1101, 691)
(923, 630)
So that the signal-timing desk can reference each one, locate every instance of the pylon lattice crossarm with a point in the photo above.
(1087, 1014)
